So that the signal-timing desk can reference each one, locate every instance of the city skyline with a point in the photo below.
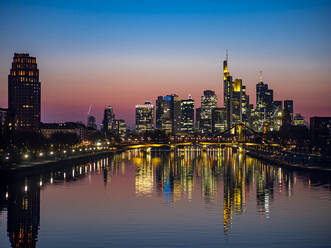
(159, 59)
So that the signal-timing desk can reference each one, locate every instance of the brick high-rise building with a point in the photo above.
(24, 93)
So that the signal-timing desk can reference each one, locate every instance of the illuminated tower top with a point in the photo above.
(225, 67)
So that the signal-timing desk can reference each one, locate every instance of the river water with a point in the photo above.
(186, 198)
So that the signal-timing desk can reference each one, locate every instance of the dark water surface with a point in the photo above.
(187, 198)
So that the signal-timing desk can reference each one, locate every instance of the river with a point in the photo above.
(186, 198)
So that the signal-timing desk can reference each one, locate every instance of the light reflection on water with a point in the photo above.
(219, 188)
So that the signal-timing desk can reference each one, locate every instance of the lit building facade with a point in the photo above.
(144, 117)
(299, 120)
(24, 90)
(168, 114)
(119, 128)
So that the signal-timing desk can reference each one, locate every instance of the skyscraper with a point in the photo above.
(208, 102)
(24, 92)
(187, 115)
(228, 90)
(108, 119)
(144, 117)
(264, 102)
(288, 107)
(168, 113)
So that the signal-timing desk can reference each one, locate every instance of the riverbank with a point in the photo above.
(273, 159)
(50, 164)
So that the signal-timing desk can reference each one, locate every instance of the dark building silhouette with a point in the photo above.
(288, 106)
(108, 119)
(24, 93)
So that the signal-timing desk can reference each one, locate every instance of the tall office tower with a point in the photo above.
(187, 115)
(264, 102)
(236, 101)
(219, 122)
(228, 90)
(276, 116)
(288, 107)
(91, 122)
(108, 119)
(144, 117)
(24, 92)
(176, 114)
(246, 108)
(197, 119)
(158, 112)
(208, 102)
(168, 113)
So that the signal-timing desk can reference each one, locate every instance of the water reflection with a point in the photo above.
(216, 176)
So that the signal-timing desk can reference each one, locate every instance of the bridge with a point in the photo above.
(238, 140)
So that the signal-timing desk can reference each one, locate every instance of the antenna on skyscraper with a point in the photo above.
(227, 55)
(260, 76)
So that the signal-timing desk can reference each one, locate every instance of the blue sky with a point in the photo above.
(288, 40)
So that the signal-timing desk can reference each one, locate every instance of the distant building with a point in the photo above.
(24, 93)
(219, 121)
(264, 103)
(288, 106)
(299, 120)
(3, 119)
(187, 115)
(91, 122)
(144, 117)
(108, 118)
(48, 129)
(320, 128)
(208, 103)
(119, 128)
(197, 119)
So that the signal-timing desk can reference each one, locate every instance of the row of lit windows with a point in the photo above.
(25, 79)
(27, 106)
(22, 73)
(24, 60)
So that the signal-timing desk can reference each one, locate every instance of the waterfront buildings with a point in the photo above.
(48, 129)
(24, 91)
(144, 117)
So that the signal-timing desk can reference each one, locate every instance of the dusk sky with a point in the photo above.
(122, 53)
